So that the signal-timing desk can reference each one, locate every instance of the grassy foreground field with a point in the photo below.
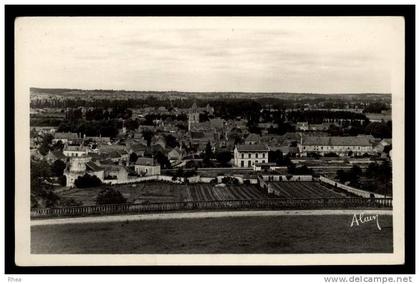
(268, 234)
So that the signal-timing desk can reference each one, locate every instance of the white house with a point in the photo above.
(79, 166)
(147, 167)
(75, 151)
(247, 155)
(115, 172)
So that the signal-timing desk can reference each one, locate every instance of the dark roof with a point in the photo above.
(265, 164)
(65, 135)
(74, 148)
(197, 135)
(94, 167)
(114, 167)
(252, 148)
(145, 161)
(336, 141)
(253, 137)
(138, 147)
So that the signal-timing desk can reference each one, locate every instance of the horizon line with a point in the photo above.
(220, 92)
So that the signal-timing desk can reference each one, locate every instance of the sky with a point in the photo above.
(247, 54)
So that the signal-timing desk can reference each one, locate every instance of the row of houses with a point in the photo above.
(253, 154)
(79, 166)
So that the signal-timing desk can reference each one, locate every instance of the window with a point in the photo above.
(242, 163)
(249, 163)
(242, 156)
(256, 155)
(249, 155)
(263, 155)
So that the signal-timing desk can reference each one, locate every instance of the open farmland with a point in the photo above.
(155, 192)
(296, 190)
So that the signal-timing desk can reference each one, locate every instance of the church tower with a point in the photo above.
(193, 116)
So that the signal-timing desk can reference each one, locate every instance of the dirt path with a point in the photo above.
(193, 215)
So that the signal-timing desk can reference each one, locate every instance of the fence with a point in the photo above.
(287, 177)
(272, 203)
(358, 192)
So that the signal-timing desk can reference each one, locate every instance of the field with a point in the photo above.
(165, 192)
(156, 192)
(305, 189)
(262, 234)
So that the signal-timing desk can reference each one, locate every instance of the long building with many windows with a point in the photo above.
(342, 146)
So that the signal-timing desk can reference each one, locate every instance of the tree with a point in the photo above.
(87, 181)
(352, 176)
(163, 160)
(278, 158)
(171, 141)
(224, 157)
(41, 188)
(57, 168)
(203, 117)
(379, 130)
(133, 157)
(69, 202)
(58, 146)
(291, 168)
(356, 171)
(303, 170)
(148, 135)
(334, 130)
(44, 148)
(33, 133)
(132, 124)
(40, 170)
(376, 107)
(208, 153)
(110, 196)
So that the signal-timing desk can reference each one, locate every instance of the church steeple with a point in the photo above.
(193, 116)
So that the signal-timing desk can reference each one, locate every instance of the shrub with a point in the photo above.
(87, 181)
(68, 202)
(57, 168)
(314, 155)
(62, 180)
(230, 180)
(331, 154)
(110, 196)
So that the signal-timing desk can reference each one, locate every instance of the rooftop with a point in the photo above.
(65, 135)
(252, 148)
(336, 141)
(143, 161)
(94, 167)
(253, 137)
